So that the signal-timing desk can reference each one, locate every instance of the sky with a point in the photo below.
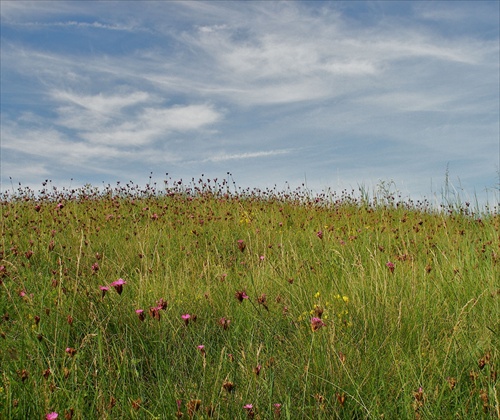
(330, 94)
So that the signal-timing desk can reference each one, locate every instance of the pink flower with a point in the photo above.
(52, 416)
(118, 285)
(104, 289)
(319, 234)
(201, 348)
(186, 318)
(224, 322)
(154, 312)
(240, 295)
(248, 406)
(262, 257)
(316, 323)
(241, 245)
(140, 314)
(390, 266)
(71, 351)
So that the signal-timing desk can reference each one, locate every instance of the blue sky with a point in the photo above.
(334, 94)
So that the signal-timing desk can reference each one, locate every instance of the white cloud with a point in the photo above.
(101, 103)
(221, 157)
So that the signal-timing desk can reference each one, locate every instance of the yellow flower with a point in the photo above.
(317, 295)
(345, 299)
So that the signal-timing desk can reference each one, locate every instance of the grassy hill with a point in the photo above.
(199, 303)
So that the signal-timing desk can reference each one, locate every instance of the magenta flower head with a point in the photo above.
(390, 266)
(186, 318)
(104, 289)
(201, 348)
(241, 245)
(224, 322)
(71, 351)
(52, 416)
(316, 323)
(140, 314)
(319, 234)
(118, 285)
(240, 295)
(250, 412)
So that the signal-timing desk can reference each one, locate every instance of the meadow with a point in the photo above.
(198, 301)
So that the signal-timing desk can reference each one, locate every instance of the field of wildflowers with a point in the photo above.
(198, 302)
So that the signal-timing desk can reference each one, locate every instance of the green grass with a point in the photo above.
(418, 341)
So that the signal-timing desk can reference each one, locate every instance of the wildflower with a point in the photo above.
(277, 409)
(104, 289)
(162, 304)
(179, 413)
(390, 266)
(95, 267)
(257, 369)
(28, 254)
(319, 234)
(228, 386)
(249, 408)
(52, 416)
(186, 318)
(240, 295)
(118, 285)
(71, 351)
(262, 301)
(59, 206)
(23, 374)
(241, 245)
(154, 312)
(224, 322)
(316, 323)
(140, 314)
(201, 348)
(262, 257)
